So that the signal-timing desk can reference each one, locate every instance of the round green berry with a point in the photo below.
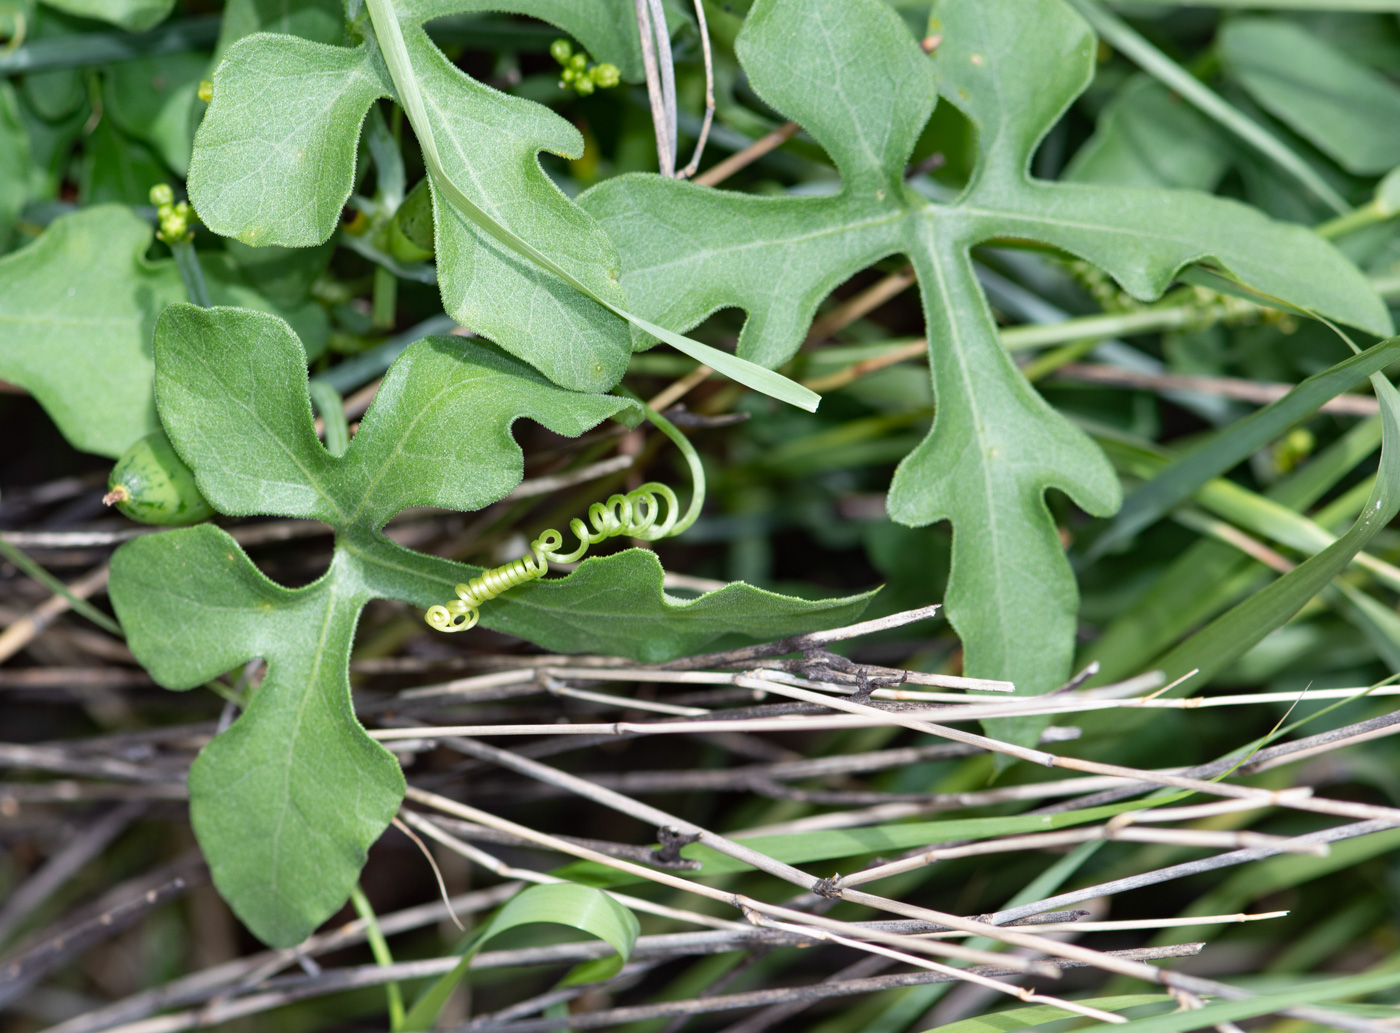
(561, 50)
(151, 484)
(606, 76)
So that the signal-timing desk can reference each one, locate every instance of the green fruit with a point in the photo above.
(410, 237)
(150, 483)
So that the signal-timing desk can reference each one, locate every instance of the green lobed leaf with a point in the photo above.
(77, 310)
(851, 76)
(1149, 137)
(267, 796)
(275, 161)
(156, 99)
(1344, 108)
(287, 801)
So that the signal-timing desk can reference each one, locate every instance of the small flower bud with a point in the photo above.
(561, 50)
(606, 76)
(161, 194)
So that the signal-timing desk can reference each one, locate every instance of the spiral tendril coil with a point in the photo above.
(636, 514)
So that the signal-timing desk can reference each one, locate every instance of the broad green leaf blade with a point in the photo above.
(288, 800)
(232, 387)
(994, 449)
(77, 307)
(274, 158)
(1149, 137)
(1141, 238)
(405, 71)
(156, 99)
(615, 605)
(439, 430)
(1230, 636)
(578, 907)
(551, 322)
(132, 15)
(607, 30)
(1338, 104)
(1012, 66)
(233, 394)
(77, 310)
(1233, 445)
(1039, 1014)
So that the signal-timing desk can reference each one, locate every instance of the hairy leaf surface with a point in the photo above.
(288, 800)
(77, 310)
(274, 163)
(852, 77)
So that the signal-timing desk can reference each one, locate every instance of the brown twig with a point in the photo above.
(718, 173)
(23, 631)
(853, 308)
(1258, 392)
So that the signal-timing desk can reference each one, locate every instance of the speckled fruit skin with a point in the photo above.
(161, 487)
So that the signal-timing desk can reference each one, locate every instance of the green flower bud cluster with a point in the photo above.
(176, 220)
(577, 75)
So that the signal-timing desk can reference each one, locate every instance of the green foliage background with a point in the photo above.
(1197, 192)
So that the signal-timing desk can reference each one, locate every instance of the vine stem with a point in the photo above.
(191, 273)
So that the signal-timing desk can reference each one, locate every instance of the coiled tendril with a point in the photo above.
(636, 514)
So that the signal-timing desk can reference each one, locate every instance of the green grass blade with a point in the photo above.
(1232, 446)
(395, 52)
(562, 903)
(53, 584)
(1166, 71)
(1039, 1014)
(1230, 1011)
(380, 949)
(1231, 635)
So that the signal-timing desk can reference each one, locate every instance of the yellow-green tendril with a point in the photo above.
(637, 514)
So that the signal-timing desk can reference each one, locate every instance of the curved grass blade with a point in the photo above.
(1039, 1014)
(395, 51)
(1231, 635)
(1161, 494)
(561, 903)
